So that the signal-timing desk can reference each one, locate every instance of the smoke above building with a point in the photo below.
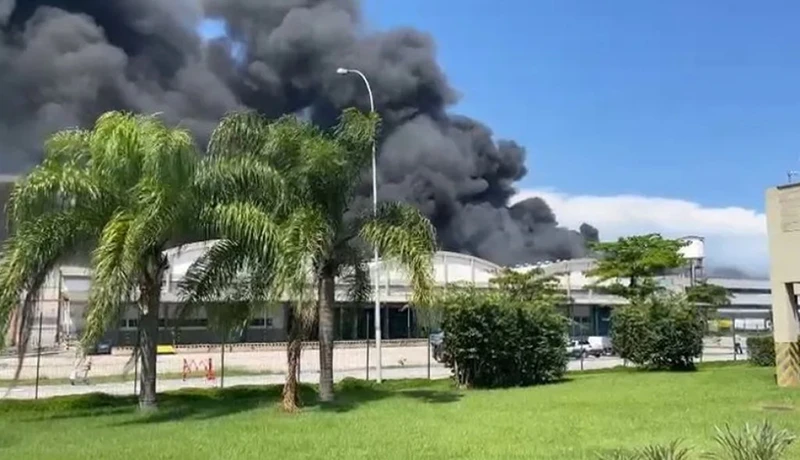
(64, 62)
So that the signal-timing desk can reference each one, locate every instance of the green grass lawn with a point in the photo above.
(402, 420)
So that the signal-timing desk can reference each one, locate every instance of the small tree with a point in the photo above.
(708, 297)
(633, 262)
(531, 286)
(659, 332)
(509, 335)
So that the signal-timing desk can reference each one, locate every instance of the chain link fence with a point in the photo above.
(51, 372)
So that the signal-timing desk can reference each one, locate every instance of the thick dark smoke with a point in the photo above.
(63, 62)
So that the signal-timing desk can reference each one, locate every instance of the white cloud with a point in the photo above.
(734, 236)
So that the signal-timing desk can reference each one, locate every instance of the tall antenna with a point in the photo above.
(790, 175)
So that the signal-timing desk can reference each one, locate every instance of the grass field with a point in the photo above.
(591, 412)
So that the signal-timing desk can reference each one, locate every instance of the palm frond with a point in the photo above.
(306, 235)
(160, 200)
(227, 318)
(243, 178)
(169, 154)
(239, 133)
(113, 277)
(28, 257)
(27, 320)
(356, 131)
(67, 147)
(359, 288)
(403, 234)
(116, 148)
(61, 180)
(33, 250)
(354, 270)
(286, 145)
(212, 273)
(248, 225)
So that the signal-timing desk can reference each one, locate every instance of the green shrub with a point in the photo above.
(660, 332)
(761, 350)
(764, 442)
(494, 339)
(671, 451)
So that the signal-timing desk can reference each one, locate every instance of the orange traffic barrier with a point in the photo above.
(191, 366)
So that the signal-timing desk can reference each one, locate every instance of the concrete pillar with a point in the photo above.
(783, 230)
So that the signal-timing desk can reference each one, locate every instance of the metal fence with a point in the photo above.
(47, 372)
(211, 365)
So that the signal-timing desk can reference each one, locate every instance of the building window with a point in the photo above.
(194, 322)
(170, 323)
(261, 323)
(750, 290)
(130, 323)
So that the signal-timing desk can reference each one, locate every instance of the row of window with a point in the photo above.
(750, 291)
(133, 323)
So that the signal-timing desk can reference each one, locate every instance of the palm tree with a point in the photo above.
(117, 190)
(124, 190)
(312, 176)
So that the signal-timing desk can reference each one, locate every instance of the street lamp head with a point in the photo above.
(342, 71)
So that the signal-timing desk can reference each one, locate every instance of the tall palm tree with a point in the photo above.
(116, 190)
(123, 191)
(313, 175)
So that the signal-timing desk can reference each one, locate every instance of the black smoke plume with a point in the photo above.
(63, 62)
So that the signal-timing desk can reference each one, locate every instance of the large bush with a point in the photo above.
(659, 332)
(495, 339)
(761, 350)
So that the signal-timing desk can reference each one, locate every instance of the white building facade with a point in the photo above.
(64, 300)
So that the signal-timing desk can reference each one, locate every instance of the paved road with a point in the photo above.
(406, 372)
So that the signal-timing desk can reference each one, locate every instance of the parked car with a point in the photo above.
(577, 348)
(601, 343)
(102, 347)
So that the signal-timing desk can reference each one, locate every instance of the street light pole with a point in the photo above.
(376, 281)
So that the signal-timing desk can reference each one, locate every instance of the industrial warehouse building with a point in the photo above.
(63, 301)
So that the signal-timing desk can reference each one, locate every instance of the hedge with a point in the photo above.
(494, 340)
(761, 350)
(660, 332)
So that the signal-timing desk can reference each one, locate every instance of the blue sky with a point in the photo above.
(698, 100)
(669, 116)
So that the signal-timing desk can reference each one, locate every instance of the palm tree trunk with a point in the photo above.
(12, 336)
(149, 306)
(326, 298)
(291, 397)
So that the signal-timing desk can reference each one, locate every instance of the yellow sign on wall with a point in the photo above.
(165, 350)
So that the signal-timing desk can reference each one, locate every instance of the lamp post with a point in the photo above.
(376, 281)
